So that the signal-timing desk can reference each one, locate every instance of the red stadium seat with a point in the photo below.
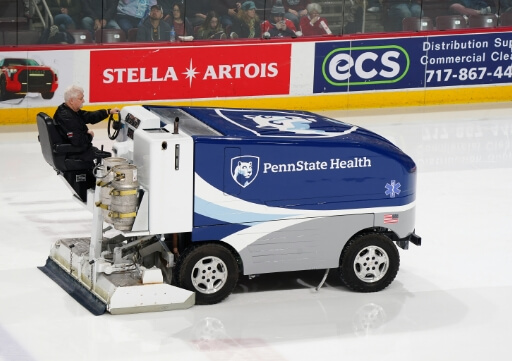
(417, 24)
(110, 36)
(21, 37)
(447, 22)
(506, 19)
(132, 34)
(81, 36)
(483, 21)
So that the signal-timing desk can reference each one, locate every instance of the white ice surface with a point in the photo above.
(450, 301)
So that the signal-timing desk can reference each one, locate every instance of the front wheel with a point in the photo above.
(369, 263)
(210, 270)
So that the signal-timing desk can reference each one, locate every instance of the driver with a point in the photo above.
(72, 121)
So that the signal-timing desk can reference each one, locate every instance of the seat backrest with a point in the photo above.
(132, 34)
(110, 36)
(417, 24)
(447, 22)
(48, 138)
(483, 21)
(506, 19)
(81, 36)
(21, 37)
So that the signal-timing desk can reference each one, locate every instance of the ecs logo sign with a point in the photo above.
(361, 66)
(245, 169)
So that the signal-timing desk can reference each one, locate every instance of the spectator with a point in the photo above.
(227, 10)
(131, 12)
(353, 17)
(313, 24)
(294, 9)
(505, 6)
(182, 26)
(167, 8)
(73, 121)
(471, 7)
(211, 28)
(196, 11)
(247, 24)
(278, 26)
(400, 9)
(66, 13)
(153, 28)
(99, 14)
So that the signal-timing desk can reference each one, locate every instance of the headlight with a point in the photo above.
(11, 72)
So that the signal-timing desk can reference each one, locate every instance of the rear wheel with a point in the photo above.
(369, 263)
(210, 270)
(47, 95)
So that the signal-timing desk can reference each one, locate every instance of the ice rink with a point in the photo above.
(451, 299)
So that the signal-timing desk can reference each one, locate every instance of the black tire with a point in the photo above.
(369, 263)
(210, 270)
(47, 95)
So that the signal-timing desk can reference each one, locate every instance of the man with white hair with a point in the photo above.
(73, 121)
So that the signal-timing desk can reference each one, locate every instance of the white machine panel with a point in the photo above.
(165, 169)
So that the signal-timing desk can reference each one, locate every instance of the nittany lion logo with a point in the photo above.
(293, 124)
(244, 169)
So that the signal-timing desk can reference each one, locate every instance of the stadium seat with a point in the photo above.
(506, 19)
(483, 21)
(110, 36)
(21, 37)
(81, 36)
(447, 22)
(417, 24)
(132, 34)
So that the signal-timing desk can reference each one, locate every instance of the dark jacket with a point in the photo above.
(241, 28)
(221, 7)
(145, 31)
(73, 126)
(100, 9)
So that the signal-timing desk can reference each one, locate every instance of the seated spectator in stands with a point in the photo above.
(247, 24)
(196, 11)
(153, 28)
(398, 10)
(353, 17)
(313, 24)
(227, 10)
(472, 7)
(294, 9)
(278, 26)
(211, 28)
(99, 14)
(182, 26)
(66, 13)
(130, 13)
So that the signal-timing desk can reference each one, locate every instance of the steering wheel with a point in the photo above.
(115, 125)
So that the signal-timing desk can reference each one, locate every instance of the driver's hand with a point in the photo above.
(114, 111)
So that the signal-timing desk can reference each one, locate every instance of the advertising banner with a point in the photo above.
(189, 72)
(418, 62)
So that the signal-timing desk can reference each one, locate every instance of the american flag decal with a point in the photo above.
(391, 218)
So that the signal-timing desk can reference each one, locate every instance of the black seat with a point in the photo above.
(56, 150)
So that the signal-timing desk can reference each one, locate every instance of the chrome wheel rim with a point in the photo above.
(209, 275)
(371, 264)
